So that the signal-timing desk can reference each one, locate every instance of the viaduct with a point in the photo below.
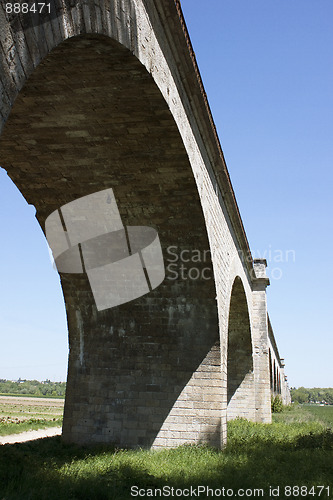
(106, 94)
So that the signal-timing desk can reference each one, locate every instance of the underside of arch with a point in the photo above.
(91, 118)
(240, 376)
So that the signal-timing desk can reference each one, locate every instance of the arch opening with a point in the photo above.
(270, 371)
(91, 118)
(240, 376)
(34, 344)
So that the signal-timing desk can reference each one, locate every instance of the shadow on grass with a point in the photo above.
(49, 469)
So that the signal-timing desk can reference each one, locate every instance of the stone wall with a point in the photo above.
(107, 94)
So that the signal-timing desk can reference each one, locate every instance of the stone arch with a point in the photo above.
(127, 365)
(240, 374)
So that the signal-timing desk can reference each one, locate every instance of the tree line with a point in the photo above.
(58, 389)
(33, 388)
(314, 395)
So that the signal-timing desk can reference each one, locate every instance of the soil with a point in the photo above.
(28, 401)
(30, 435)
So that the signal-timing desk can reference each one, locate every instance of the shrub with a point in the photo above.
(277, 405)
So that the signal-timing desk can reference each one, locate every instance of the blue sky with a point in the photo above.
(267, 68)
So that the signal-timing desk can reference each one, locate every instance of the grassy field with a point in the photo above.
(25, 396)
(295, 451)
(323, 414)
(19, 414)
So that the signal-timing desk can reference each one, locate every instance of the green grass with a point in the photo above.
(32, 424)
(17, 416)
(322, 413)
(298, 452)
(306, 413)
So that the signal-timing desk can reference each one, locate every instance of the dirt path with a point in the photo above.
(30, 435)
